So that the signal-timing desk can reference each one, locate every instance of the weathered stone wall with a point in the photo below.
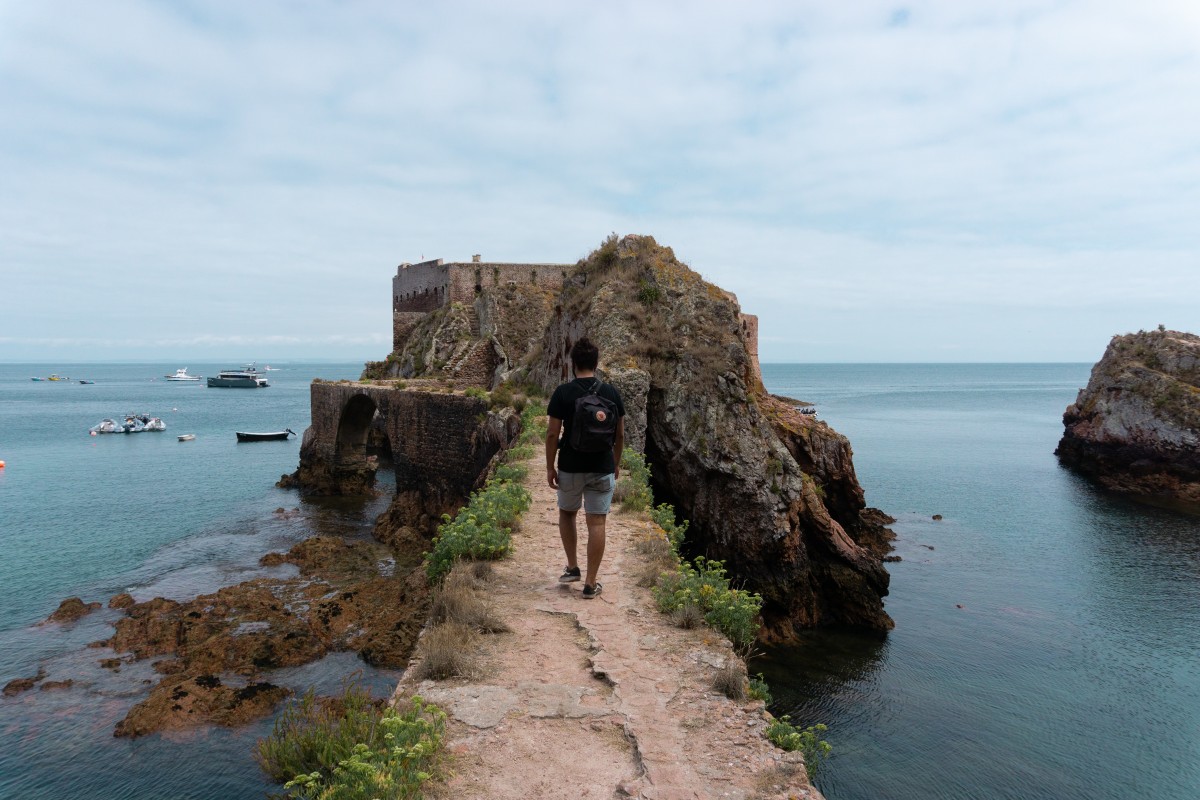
(490, 275)
(441, 444)
(420, 287)
(429, 285)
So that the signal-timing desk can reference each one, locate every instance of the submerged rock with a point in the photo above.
(18, 685)
(1135, 428)
(72, 609)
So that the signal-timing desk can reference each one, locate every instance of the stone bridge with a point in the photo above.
(440, 443)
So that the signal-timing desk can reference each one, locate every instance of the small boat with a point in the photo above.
(36, 378)
(133, 423)
(87, 383)
(107, 426)
(246, 378)
(182, 375)
(269, 368)
(265, 437)
(186, 437)
(57, 377)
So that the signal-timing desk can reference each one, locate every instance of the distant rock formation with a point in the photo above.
(1135, 428)
(769, 490)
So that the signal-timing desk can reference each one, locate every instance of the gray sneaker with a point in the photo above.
(570, 575)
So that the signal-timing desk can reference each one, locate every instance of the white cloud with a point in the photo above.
(269, 165)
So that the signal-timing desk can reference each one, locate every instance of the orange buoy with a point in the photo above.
(1, 465)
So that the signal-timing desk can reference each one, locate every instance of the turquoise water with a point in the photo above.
(143, 513)
(1071, 669)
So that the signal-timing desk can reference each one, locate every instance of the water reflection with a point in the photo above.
(822, 667)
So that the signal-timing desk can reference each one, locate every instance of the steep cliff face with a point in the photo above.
(1135, 428)
(770, 492)
(476, 344)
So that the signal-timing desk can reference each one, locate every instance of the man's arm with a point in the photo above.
(552, 431)
(619, 446)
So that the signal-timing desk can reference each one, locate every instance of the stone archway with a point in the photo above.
(353, 431)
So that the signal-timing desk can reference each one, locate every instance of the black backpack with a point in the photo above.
(594, 426)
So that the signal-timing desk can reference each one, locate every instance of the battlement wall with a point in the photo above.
(429, 285)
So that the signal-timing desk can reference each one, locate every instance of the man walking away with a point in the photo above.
(589, 459)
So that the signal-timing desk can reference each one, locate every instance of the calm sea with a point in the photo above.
(144, 513)
(1047, 640)
(1071, 670)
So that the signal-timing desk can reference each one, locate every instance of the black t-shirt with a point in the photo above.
(562, 406)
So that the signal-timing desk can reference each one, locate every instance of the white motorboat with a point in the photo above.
(133, 423)
(186, 437)
(182, 375)
(107, 426)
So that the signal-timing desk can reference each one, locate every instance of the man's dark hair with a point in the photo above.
(585, 355)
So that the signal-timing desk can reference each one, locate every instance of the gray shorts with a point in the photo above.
(594, 490)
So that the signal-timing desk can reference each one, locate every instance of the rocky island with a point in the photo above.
(769, 490)
(1135, 428)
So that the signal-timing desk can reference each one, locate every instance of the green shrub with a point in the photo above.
(703, 583)
(520, 453)
(317, 734)
(648, 293)
(785, 735)
(502, 396)
(633, 489)
(533, 424)
(664, 516)
(481, 530)
(407, 757)
(350, 747)
(759, 689)
(510, 472)
(475, 391)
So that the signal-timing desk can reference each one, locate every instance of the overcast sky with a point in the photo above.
(939, 181)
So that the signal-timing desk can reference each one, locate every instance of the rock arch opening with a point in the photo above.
(354, 431)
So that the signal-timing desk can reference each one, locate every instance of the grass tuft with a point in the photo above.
(458, 600)
(730, 680)
(448, 651)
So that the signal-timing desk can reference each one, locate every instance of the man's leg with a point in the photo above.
(595, 544)
(566, 530)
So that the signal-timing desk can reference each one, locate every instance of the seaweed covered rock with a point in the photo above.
(1135, 428)
(349, 596)
(768, 490)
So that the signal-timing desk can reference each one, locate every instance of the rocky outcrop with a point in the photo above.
(1135, 428)
(71, 609)
(212, 651)
(768, 490)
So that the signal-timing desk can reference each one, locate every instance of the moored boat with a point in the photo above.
(87, 383)
(186, 437)
(243, 436)
(57, 377)
(182, 375)
(246, 378)
(106, 426)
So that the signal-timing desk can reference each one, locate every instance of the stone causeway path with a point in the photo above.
(600, 698)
